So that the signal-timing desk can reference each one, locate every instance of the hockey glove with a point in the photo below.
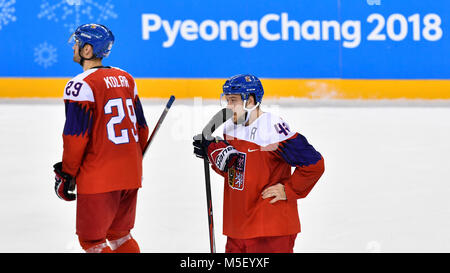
(219, 152)
(199, 148)
(64, 183)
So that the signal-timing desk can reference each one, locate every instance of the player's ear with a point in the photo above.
(88, 51)
(251, 100)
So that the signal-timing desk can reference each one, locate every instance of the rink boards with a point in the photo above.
(368, 49)
(274, 88)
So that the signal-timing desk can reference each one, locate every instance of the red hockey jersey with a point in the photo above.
(104, 132)
(267, 150)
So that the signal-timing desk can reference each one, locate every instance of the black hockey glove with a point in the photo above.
(200, 146)
(64, 183)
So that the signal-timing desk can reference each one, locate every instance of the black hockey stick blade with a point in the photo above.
(218, 119)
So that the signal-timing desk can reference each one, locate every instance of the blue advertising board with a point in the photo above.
(359, 39)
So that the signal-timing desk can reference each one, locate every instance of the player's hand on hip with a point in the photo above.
(64, 183)
(276, 191)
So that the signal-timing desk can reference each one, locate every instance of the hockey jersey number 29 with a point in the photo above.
(105, 131)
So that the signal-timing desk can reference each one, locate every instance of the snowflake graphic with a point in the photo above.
(73, 13)
(6, 12)
(45, 55)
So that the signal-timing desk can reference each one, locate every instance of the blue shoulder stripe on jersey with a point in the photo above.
(297, 151)
(78, 119)
(140, 114)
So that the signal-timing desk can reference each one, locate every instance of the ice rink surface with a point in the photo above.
(386, 184)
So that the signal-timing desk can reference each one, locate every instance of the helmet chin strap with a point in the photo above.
(248, 112)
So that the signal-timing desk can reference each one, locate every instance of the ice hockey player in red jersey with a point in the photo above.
(255, 158)
(104, 134)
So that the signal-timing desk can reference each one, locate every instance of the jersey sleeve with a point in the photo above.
(79, 109)
(143, 130)
(308, 163)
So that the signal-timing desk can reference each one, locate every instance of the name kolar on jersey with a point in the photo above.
(112, 81)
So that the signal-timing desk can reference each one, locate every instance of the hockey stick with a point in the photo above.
(219, 118)
(158, 124)
(212, 241)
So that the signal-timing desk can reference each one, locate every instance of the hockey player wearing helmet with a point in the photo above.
(91, 43)
(102, 155)
(255, 158)
(243, 94)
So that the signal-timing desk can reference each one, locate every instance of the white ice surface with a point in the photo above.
(386, 186)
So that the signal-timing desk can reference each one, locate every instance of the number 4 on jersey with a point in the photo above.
(115, 120)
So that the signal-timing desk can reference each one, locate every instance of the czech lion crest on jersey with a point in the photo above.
(236, 174)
